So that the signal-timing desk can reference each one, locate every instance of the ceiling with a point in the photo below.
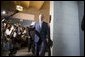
(27, 4)
(29, 7)
(11, 5)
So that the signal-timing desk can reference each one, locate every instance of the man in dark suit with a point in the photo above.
(44, 31)
(41, 31)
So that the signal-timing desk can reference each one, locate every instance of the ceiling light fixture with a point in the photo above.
(19, 8)
(3, 12)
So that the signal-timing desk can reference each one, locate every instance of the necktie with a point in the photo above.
(39, 27)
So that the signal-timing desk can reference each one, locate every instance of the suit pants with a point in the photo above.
(36, 49)
(42, 48)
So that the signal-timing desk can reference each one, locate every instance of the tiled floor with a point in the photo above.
(22, 52)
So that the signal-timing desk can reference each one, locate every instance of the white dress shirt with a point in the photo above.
(8, 32)
(14, 35)
(40, 23)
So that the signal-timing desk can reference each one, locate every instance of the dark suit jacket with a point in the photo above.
(82, 24)
(44, 31)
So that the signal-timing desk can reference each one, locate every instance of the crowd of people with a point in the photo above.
(16, 36)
